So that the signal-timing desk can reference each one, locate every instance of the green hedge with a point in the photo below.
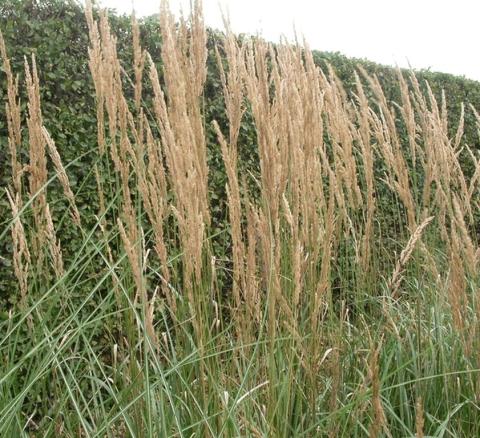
(56, 32)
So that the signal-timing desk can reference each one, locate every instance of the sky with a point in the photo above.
(443, 35)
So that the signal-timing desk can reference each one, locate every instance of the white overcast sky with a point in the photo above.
(443, 35)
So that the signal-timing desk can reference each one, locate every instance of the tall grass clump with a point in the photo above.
(339, 297)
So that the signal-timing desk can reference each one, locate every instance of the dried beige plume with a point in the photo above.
(53, 244)
(396, 279)
(21, 253)
(12, 110)
(139, 56)
(379, 421)
(419, 418)
(62, 176)
(37, 168)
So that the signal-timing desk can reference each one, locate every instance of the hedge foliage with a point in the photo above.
(55, 31)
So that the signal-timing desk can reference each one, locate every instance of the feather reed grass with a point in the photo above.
(153, 328)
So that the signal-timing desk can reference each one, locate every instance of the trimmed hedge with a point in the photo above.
(55, 31)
